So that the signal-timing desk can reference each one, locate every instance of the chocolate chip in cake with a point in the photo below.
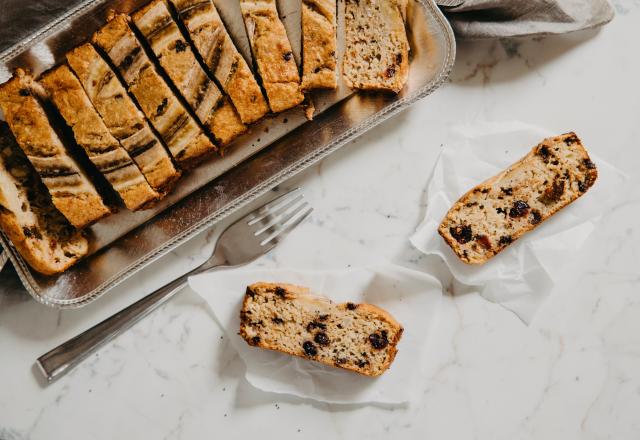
(287, 56)
(484, 241)
(309, 348)
(507, 191)
(552, 193)
(280, 292)
(24, 92)
(379, 340)
(277, 320)
(181, 46)
(535, 217)
(571, 139)
(462, 234)
(589, 164)
(505, 239)
(351, 306)
(255, 340)
(321, 339)
(250, 292)
(162, 107)
(315, 324)
(390, 72)
(519, 209)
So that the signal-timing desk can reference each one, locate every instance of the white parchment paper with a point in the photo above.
(411, 297)
(522, 275)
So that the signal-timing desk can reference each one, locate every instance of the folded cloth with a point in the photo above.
(511, 18)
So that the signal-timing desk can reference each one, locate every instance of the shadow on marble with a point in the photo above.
(247, 396)
(481, 62)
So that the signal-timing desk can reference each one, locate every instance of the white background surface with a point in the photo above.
(573, 374)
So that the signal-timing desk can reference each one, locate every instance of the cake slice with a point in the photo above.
(214, 45)
(272, 54)
(122, 118)
(377, 49)
(44, 238)
(71, 190)
(286, 318)
(103, 150)
(179, 130)
(319, 44)
(155, 23)
(498, 211)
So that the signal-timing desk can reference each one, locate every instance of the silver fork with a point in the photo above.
(245, 240)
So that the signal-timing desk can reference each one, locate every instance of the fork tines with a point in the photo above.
(274, 220)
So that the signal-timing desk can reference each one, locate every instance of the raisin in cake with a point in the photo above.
(498, 211)
(289, 319)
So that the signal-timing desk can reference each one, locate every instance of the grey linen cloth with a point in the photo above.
(510, 18)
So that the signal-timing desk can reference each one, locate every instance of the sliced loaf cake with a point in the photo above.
(71, 190)
(121, 116)
(287, 318)
(212, 41)
(103, 150)
(155, 23)
(181, 133)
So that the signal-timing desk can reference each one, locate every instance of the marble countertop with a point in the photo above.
(573, 373)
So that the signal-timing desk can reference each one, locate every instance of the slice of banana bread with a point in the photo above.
(272, 53)
(319, 44)
(173, 52)
(103, 150)
(71, 190)
(181, 133)
(44, 238)
(219, 53)
(377, 49)
(287, 318)
(121, 116)
(498, 211)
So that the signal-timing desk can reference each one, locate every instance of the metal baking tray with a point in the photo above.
(273, 151)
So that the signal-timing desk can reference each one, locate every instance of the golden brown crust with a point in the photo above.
(578, 181)
(226, 123)
(327, 318)
(273, 54)
(319, 44)
(71, 190)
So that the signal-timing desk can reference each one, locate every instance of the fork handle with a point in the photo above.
(69, 354)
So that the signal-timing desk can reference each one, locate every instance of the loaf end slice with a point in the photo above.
(377, 48)
(289, 319)
(40, 233)
(498, 211)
